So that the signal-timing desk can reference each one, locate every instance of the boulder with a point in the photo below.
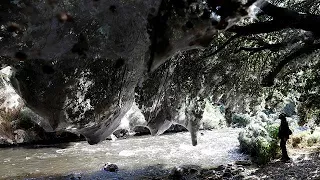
(141, 130)
(227, 175)
(243, 162)
(110, 167)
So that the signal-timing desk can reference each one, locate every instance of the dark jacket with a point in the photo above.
(284, 131)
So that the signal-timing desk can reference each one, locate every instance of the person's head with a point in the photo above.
(282, 116)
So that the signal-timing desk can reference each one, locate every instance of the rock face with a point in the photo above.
(6, 136)
(20, 125)
(77, 63)
(11, 103)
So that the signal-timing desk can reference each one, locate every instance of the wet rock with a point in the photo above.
(219, 168)
(227, 170)
(193, 171)
(244, 162)
(177, 173)
(141, 130)
(185, 172)
(227, 175)
(237, 171)
(238, 177)
(207, 173)
(121, 133)
(110, 167)
(72, 177)
(241, 169)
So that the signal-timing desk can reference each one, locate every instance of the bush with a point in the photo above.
(311, 141)
(240, 120)
(296, 140)
(313, 138)
(305, 138)
(260, 141)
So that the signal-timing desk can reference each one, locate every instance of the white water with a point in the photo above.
(135, 156)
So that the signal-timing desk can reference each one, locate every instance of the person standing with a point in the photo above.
(283, 134)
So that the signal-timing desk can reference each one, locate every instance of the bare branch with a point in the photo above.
(221, 47)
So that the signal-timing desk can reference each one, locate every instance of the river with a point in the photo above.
(135, 157)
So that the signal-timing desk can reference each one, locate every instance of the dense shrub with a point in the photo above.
(240, 120)
(259, 139)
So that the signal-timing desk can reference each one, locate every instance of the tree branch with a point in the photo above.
(258, 28)
(271, 47)
(274, 47)
(307, 49)
(221, 47)
(282, 18)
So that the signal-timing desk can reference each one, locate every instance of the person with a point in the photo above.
(284, 133)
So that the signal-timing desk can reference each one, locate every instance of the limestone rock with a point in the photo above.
(79, 62)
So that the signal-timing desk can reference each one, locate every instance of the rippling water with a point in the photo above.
(134, 156)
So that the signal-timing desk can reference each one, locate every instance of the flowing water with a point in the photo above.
(135, 156)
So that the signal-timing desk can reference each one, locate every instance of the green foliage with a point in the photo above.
(263, 151)
(268, 149)
(273, 130)
(241, 120)
(260, 142)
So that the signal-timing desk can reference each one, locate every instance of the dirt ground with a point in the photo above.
(304, 164)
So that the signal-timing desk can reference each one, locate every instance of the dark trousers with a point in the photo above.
(283, 147)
